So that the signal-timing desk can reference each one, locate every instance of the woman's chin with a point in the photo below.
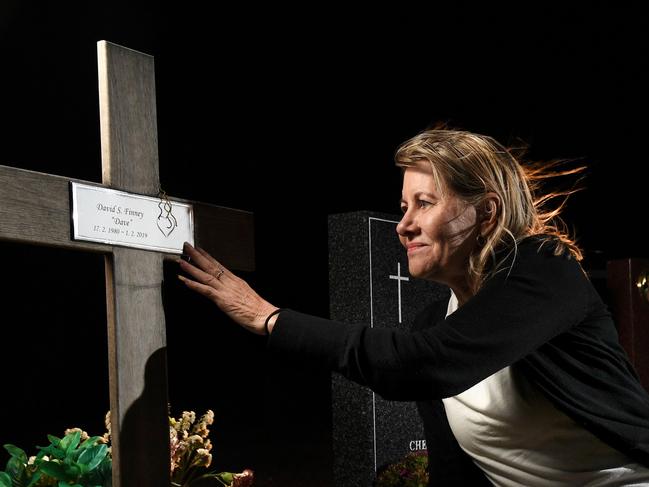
(422, 272)
(416, 272)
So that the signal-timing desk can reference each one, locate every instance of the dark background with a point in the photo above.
(292, 114)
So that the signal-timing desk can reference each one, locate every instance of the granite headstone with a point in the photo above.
(369, 283)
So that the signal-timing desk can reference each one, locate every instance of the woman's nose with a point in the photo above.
(406, 225)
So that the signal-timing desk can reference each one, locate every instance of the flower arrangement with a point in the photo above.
(78, 460)
(190, 453)
(411, 471)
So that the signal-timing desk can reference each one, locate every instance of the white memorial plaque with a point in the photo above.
(130, 220)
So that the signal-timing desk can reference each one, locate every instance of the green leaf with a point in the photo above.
(96, 454)
(83, 469)
(16, 452)
(5, 480)
(55, 470)
(86, 456)
(227, 477)
(100, 454)
(15, 467)
(90, 442)
(70, 442)
(54, 440)
(52, 451)
(94, 478)
(72, 471)
(106, 472)
(35, 478)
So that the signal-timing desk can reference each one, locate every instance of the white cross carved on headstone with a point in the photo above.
(35, 209)
(399, 278)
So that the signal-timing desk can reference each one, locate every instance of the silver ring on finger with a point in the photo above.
(218, 276)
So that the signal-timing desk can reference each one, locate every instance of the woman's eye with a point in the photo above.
(423, 203)
(404, 209)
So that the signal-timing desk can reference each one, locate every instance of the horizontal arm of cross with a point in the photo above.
(35, 209)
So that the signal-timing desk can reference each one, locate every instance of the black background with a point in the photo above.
(294, 114)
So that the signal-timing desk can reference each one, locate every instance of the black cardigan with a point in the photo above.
(540, 313)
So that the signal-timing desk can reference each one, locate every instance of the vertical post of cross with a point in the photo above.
(136, 325)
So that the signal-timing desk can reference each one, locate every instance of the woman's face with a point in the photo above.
(439, 231)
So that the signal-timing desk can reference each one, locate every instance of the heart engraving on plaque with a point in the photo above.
(166, 221)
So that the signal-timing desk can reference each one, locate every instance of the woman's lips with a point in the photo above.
(414, 248)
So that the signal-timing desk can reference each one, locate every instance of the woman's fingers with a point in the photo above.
(207, 256)
(232, 294)
(203, 289)
(203, 261)
(196, 273)
(219, 269)
(195, 256)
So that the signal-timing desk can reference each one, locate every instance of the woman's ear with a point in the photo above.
(489, 211)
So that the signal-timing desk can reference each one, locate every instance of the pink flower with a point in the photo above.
(243, 479)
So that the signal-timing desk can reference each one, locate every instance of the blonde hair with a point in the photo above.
(472, 165)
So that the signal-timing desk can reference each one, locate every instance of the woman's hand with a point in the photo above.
(230, 293)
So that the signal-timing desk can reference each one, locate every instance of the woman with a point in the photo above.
(518, 376)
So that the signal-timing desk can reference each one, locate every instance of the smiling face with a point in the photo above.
(438, 230)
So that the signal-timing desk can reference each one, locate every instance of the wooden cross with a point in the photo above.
(34, 209)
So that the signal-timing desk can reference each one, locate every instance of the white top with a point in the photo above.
(518, 438)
